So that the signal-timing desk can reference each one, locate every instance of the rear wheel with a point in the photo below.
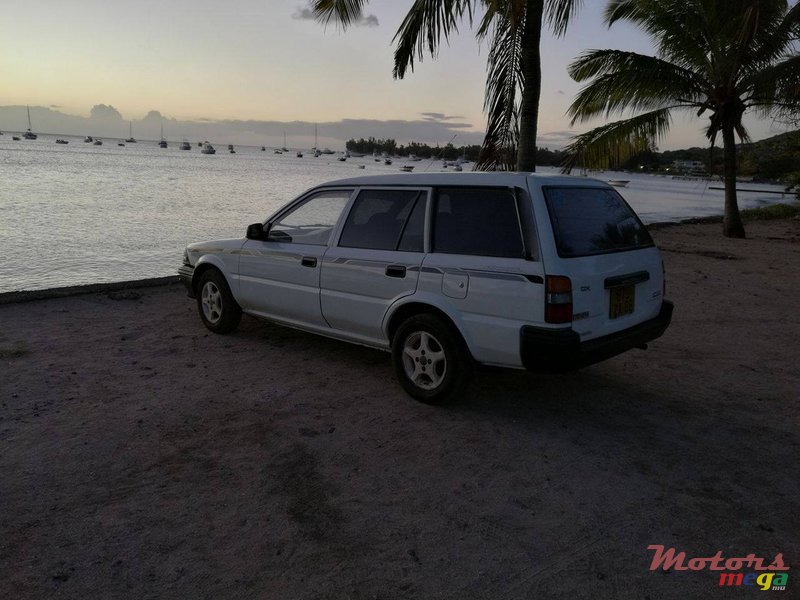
(218, 309)
(431, 360)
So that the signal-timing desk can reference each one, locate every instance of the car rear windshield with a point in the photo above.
(588, 221)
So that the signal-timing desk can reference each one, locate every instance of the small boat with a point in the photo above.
(29, 135)
(277, 151)
(98, 142)
(407, 168)
(15, 138)
(619, 182)
(199, 144)
(299, 154)
(60, 141)
(263, 148)
(356, 154)
(121, 144)
(342, 158)
(230, 149)
(457, 168)
(131, 139)
(88, 139)
(361, 167)
(414, 158)
(327, 151)
(163, 142)
(208, 149)
(317, 153)
(185, 145)
(387, 161)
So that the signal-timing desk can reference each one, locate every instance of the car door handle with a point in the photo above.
(398, 271)
(309, 261)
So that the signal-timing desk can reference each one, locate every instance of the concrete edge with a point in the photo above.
(92, 288)
(692, 221)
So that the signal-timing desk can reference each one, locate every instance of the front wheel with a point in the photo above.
(218, 309)
(431, 360)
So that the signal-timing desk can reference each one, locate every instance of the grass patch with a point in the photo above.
(773, 211)
(14, 352)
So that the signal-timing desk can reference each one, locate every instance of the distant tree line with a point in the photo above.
(544, 156)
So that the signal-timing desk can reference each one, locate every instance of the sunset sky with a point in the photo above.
(264, 60)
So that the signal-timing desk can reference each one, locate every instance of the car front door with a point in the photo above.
(279, 276)
(375, 261)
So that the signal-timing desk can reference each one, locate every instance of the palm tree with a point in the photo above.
(715, 57)
(513, 30)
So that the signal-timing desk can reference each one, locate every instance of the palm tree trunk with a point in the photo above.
(531, 86)
(732, 222)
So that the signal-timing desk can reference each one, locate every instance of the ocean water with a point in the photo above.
(78, 213)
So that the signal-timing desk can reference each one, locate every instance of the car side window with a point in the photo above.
(386, 220)
(477, 221)
(312, 221)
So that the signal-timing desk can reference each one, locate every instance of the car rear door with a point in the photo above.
(376, 259)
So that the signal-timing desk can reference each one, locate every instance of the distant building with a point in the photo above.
(690, 166)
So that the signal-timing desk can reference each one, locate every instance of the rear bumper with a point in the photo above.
(558, 350)
(186, 273)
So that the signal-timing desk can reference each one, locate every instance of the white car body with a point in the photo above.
(497, 304)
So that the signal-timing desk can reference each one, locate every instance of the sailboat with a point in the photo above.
(284, 149)
(163, 142)
(29, 135)
(130, 139)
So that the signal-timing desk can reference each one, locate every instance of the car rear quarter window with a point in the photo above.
(386, 220)
(588, 221)
(477, 221)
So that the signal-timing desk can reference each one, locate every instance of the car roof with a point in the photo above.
(482, 178)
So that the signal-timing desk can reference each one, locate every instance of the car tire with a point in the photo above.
(218, 309)
(431, 360)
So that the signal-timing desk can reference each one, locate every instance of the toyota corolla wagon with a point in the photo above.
(446, 271)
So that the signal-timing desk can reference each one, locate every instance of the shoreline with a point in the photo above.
(20, 296)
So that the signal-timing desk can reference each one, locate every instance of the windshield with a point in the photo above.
(589, 221)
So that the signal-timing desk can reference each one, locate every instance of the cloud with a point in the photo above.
(305, 13)
(102, 111)
(435, 117)
(332, 134)
(555, 138)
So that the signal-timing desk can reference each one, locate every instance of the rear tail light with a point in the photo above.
(558, 302)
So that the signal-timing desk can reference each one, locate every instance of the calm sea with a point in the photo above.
(79, 213)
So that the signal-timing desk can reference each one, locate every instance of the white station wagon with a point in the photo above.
(446, 270)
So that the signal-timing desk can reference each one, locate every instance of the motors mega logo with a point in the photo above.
(747, 571)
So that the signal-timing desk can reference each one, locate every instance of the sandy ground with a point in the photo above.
(142, 457)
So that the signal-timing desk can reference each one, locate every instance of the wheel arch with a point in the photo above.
(401, 311)
(205, 264)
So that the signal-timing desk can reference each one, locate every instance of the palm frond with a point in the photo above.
(614, 143)
(560, 12)
(343, 12)
(503, 83)
(427, 23)
(630, 81)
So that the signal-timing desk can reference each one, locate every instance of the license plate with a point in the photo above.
(622, 301)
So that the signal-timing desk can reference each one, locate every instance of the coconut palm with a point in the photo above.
(715, 57)
(512, 29)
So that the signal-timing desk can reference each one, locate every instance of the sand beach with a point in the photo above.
(144, 457)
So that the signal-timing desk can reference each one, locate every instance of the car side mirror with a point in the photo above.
(256, 231)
